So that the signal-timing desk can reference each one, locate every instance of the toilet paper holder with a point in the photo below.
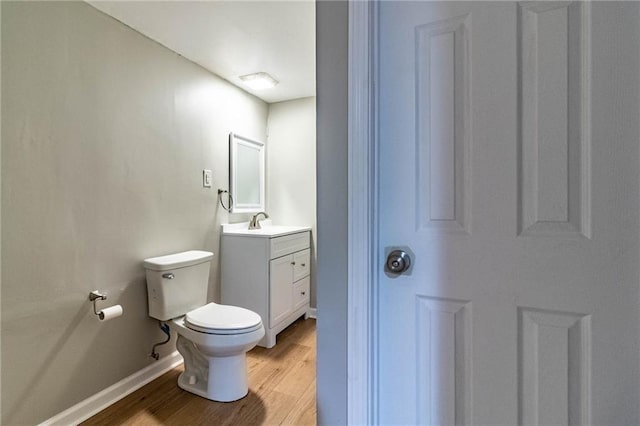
(94, 296)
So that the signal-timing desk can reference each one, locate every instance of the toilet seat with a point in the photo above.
(222, 319)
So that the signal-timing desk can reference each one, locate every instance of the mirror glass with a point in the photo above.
(246, 174)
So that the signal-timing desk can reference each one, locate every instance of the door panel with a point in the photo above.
(554, 140)
(555, 364)
(509, 143)
(442, 89)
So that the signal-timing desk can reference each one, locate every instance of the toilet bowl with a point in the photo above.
(220, 374)
(213, 339)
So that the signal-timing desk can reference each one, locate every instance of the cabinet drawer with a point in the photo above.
(281, 246)
(301, 264)
(301, 293)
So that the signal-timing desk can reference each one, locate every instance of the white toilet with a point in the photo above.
(213, 339)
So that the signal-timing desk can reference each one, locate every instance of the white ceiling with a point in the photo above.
(233, 38)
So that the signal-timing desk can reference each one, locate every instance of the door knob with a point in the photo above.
(398, 261)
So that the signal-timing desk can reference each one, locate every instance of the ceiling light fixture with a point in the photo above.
(259, 81)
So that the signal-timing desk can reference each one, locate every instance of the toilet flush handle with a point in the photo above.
(168, 276)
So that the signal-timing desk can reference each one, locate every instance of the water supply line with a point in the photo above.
(165, 328)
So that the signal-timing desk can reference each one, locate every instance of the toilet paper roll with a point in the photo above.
(109, 313)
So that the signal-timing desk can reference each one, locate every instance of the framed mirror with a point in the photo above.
(247, 174)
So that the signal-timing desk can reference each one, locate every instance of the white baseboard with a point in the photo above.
(313, 313)
(98, 402)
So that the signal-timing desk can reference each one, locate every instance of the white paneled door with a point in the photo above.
(508, 143)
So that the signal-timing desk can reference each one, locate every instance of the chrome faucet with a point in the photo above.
(254, 223)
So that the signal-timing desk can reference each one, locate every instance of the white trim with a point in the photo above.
(0, 222)
(98, 402)
(361, 220)
(312, 313)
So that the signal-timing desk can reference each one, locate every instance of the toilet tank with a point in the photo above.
(177, 283)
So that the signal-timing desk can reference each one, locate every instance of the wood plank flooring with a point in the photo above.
(282, 391)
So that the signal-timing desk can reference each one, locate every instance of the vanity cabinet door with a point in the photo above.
(280, 302)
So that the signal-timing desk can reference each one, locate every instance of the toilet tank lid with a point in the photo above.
(178, 260)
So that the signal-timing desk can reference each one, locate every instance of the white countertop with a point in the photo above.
(268, 230)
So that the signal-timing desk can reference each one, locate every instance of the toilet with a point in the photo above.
(213, 339)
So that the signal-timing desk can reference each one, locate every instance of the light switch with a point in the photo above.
(206, 178)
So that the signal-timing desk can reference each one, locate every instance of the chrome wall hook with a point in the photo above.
(95, 296)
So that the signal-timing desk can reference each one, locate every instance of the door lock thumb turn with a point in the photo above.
(398, 261)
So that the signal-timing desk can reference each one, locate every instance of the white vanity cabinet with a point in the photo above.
(267, 271)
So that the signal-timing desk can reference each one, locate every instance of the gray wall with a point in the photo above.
(291, 168)
(331, 75)
(104, 137)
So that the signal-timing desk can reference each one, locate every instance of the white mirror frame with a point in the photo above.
(238, 205)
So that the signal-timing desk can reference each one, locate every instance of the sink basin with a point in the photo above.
(268, 229)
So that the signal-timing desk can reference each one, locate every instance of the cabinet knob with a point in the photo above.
(303, 264)
(293, 263)
(303, 293)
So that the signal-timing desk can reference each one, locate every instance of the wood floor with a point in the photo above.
(282, 391)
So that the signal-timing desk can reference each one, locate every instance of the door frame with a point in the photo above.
(362, 282)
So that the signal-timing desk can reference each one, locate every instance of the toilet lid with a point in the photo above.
(222, 319)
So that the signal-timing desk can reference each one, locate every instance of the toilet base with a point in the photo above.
(222, 379)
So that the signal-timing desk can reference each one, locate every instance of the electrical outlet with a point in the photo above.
(206, 178)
